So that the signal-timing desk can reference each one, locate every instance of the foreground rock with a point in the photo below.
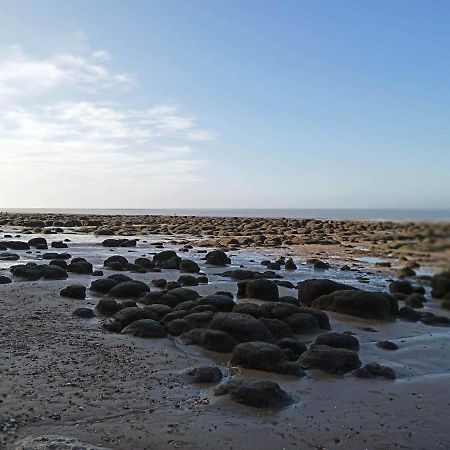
(264, 356)
(369, 305)
(260, 394)
(146, 328)
(329, 359)
(76, 291)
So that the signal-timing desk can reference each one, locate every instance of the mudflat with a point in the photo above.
(173, 351)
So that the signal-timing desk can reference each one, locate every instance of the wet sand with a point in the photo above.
(68, 376)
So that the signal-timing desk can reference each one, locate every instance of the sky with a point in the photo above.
(224, 104)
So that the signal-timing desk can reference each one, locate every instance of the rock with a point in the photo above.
(52, 272)
(17, 245)
(415, 300)
(200, 319)
(290, 265)
(278, 328)
(251, 309)
(130, 315)
(387, 345)
(59, 262)
(146, 328)
(241, 275)
(34, 242)
(241, 327)
(59, 244)
(372, 370)
(217, 258)
(369, 305)
(440, 284)
(401, 287)
(85, 313)
(167, 259)
(119, 242)
(188, 266)
(76, 291)
(260, 394)
(301, 323)
(293, 345)
(338, 340)
(80, 266)
(103, 285)
(120, 277)
(53, 255)
(179, 326)
(187, 280)
(157, 312)
(205, 374)
(320, 316)
(129, 289)
(264, 356)
(262, 290)
(5, 280)
(221, 302)
(159, 283)
(145, 263)
(108, 306)
(178, 295)
(214, 340)
(6, 256)
(440, 321)
(116, 262)
(310, 290)
(329, 359)
(53, 442)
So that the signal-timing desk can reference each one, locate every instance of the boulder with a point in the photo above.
(259, 394)
(309, 290)
(189, 266)
(217, 258)
(241, 327)
(5, 280)
(130, 315)
(440, 284)
(205, 374)
(373, 369)
(338, 340)
(146, 328)
(76, 291)
(221, 302)
(262, 289)
(85, 313)
(129, 289)
(329, 359)
(108, 306)
(264, 356)
(102, 285)
(301, 323)
(401, 287)
(369, 305)
(214, 340)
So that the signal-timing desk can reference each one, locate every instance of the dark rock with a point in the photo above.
(80, 266)
(59, 262)
(262, 290)
(241, 327)
(130, 315)
(120, 278)
(214, 340)
(301, 323)
(85, 313)
(290, 265)
(221, 302)
(187, 280)
(278, 328)
(369, 305)
(338, 340)
(260, 394)
(330, 359)
(205, 374)
(146, 328)
(189, 266)
(129, 289)
(5, 280)
(76, 291)
(103, 285)
(387, 345)
(401, 287)
(34, 242)
(179, 326)
(293, 345)
(310, 290)
(108, 306)
(159, 283)
(440, 284)
(217, 258)
(264, 356)
(372, 370)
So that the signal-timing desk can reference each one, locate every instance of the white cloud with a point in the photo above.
(97, 142)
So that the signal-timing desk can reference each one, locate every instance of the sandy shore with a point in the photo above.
(63, 375)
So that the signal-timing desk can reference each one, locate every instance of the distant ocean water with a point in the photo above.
(338, 214)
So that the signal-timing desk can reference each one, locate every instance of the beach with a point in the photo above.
(86, 377)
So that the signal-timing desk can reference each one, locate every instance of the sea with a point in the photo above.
(428, 215)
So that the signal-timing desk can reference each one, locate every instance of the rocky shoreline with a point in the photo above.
(220, 319)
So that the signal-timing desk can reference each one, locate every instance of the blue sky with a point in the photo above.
(301, 104)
